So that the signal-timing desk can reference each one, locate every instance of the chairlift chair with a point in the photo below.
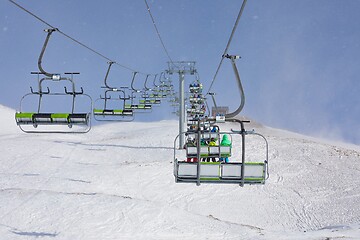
(141, 107)
(194, 163)
(149, 98)
(40, 121)
(241, 171)
(157, 92)
(110, 108)
(116, 112)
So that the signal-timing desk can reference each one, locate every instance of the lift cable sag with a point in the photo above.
(157, 31)
(73, 39)
(228, 45)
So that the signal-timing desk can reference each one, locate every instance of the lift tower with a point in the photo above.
(182, 68)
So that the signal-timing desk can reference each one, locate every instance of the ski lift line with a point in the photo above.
(234, 28)
(228, 44)
(57, 29)
(73, 39)
(38, 18)
(157, 31)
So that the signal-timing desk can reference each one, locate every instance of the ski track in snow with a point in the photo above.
(116, 182)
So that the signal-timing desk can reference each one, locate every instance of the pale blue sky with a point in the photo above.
(299, 66)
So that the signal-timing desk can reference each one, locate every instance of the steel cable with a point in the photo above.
(157, 32)
(73, 39)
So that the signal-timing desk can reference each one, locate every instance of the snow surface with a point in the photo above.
(116, 182)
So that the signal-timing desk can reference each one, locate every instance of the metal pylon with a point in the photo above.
(181, 68)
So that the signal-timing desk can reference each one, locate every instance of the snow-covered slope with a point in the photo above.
(7, 121)
(116, 182)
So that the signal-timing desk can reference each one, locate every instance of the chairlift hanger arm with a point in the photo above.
(132, 83)
(154, 81)
(155, 77)
(107, 74)
(51, 76)
(49, 32)
(241, 89)
(147, 77)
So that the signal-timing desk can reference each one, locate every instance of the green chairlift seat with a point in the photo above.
(24, 117)
(138, 106)
(113, 112)
(150, 101)
(30, 118)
